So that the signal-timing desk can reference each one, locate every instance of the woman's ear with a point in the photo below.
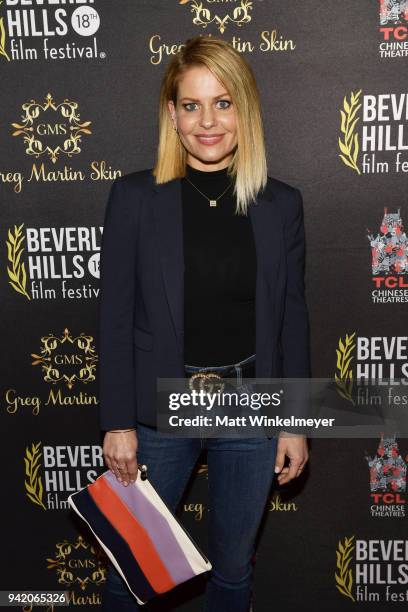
(172, 110)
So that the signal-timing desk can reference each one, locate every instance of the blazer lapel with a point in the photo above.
(167, 207)
(169, 226)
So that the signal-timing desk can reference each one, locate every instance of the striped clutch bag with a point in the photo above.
(143, 539)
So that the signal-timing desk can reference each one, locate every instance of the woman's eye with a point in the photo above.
(224, 103)
(190, 106)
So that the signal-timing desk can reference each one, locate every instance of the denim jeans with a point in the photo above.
(240, 474)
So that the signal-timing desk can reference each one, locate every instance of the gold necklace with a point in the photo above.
(211, 201)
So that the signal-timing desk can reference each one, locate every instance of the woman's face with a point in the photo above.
(205, 118)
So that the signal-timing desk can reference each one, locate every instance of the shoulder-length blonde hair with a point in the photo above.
(248, 166)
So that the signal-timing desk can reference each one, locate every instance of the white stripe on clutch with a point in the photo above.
(197, 562)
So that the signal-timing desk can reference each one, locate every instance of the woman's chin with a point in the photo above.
(210, 156)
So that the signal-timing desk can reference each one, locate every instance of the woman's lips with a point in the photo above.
(210, 140)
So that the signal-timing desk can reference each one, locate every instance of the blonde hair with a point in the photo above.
(248, 166)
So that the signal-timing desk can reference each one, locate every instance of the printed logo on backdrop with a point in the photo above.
(372, 570)
(239, 14)
(57, 31)
(374, 133)
(52, 135)
(363, 360)
(51, 129)
(67, 359)
(389, 260)
(224, 17)
(53, 263)
(68, 364)
(79, 567)
(53, 472)
(393, 28)
(388, 480)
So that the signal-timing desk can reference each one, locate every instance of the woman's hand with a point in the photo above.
(119, 451)
(295, 447)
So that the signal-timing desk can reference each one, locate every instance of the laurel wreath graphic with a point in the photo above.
(344, 378)
(65, 575)
(3, 51)
(68, 110)
(17, 273)
(203, 16)
(344, 579)
(52, 374)
(33, 484)
(350, 145)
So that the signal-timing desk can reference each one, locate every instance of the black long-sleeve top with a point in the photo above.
(220, 273)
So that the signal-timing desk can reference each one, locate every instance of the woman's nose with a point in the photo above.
(207, 117)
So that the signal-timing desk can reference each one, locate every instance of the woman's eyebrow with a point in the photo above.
(197, 100)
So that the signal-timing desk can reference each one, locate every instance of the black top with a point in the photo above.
(220, 273)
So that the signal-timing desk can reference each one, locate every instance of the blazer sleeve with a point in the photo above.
(295, 329)
(117, 409)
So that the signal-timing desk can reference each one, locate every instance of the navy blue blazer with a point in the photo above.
(141, 306)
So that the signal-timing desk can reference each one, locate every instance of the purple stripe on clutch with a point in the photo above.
(157, 527)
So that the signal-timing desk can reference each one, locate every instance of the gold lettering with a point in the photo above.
(242, 46)
(274, 43)
(80, 563)
(76, 600)
(13, 177)
(67, 174)
(82, 399)
(15, 401)
(159, 49)
(102, 172)
(45, 129)
(68, 359)
(277, 505)
(197, 508)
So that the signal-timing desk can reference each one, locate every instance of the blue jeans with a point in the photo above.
(240, 474)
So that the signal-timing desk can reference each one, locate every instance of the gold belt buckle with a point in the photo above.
(206, 381)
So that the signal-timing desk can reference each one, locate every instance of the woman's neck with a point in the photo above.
(197, 164)
(209, 175)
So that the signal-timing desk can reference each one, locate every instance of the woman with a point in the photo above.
(202, 270)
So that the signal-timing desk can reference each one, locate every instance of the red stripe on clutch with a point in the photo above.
(133, 533)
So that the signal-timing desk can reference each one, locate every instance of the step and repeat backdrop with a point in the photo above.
(79, 97)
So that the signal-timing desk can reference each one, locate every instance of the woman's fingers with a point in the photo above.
(282, 478)
(280, 458)
(117, 469)
(295, 448)
(291, 471)
(132, 469)
(301, 468)
(126, 470)
(294, 465)
(119, 450)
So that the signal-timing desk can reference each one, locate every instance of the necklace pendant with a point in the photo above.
(213, 202)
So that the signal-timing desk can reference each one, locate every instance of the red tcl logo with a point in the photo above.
(391, 282)
(388, 498)
(398, 33)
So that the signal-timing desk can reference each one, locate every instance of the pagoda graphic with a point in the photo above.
(389, 248)
(393, 11)
(388, 470)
